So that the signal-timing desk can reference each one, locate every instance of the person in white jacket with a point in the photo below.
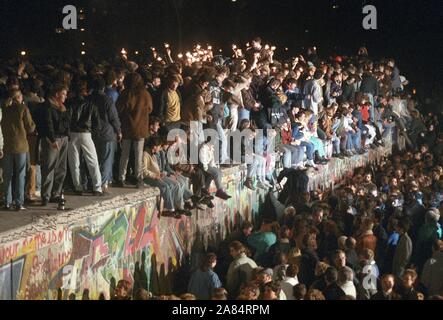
(240, 270)
(208, 164)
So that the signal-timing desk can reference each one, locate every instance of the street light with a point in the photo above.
(83, 52)
(23, 53)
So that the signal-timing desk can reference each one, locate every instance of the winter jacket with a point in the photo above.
(239, 272)
(83, 114)
(151, 168)
(109, 121)
(203, 283)
(369, 84)
(16, 123)
(432, 275)
(134, 109)
(261, 242)
(55, 123)
(402, 255)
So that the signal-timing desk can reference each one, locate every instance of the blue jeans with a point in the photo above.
(309, 149)
(372, 109)
(106, 154)
(356, 139)
(167, 191)
(17, 160)
(335, 145)
(292, 155)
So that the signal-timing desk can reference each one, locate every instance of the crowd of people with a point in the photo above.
(377, 236)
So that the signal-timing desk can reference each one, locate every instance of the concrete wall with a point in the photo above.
(94, 246)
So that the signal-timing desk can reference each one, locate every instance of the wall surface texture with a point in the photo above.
(124, 238)
(93, 247)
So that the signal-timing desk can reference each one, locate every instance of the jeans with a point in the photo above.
(124, 159)
(257, 168)
(309, 149)
(335, 145)
(106, 152)
(167, 191)
(356, 140)
(82, 141)
(372, 109)
(54, 167)
(17, 160)
(213, 173)
(292, 155)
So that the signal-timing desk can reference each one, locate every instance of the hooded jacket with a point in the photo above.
(134, 107)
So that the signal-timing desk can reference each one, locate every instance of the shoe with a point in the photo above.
(186, 213)
(222, 195)
(78, 193)
(20, 208)
(208, 202)
(7, 207)
(54, 200)
(168, 213)
(324, 161)
(361, 151)
(45, 202)
(206, 193)
(248, 184)
(121, 184)
(98, 194)
(261, 185)
(197, 199)
(141, 185)
(106, 191)
(268, 185)
(311, 164)
(341, 156)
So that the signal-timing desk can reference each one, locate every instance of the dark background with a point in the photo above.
(410, 31)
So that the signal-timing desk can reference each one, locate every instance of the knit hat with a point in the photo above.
(433, 215)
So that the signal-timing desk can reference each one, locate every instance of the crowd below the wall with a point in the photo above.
(377, 236)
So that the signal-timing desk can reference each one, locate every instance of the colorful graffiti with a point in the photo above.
(130, 243)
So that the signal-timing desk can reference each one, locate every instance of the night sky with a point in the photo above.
(411, 31)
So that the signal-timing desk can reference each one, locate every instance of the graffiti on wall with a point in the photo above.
(130, 243)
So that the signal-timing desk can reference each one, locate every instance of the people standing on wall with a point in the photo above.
(16, 123)
(55, 129)
(84, 119)
(134, 106)
(108, 134)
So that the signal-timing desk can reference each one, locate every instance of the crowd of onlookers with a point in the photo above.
(85, 126)
(376, 236)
